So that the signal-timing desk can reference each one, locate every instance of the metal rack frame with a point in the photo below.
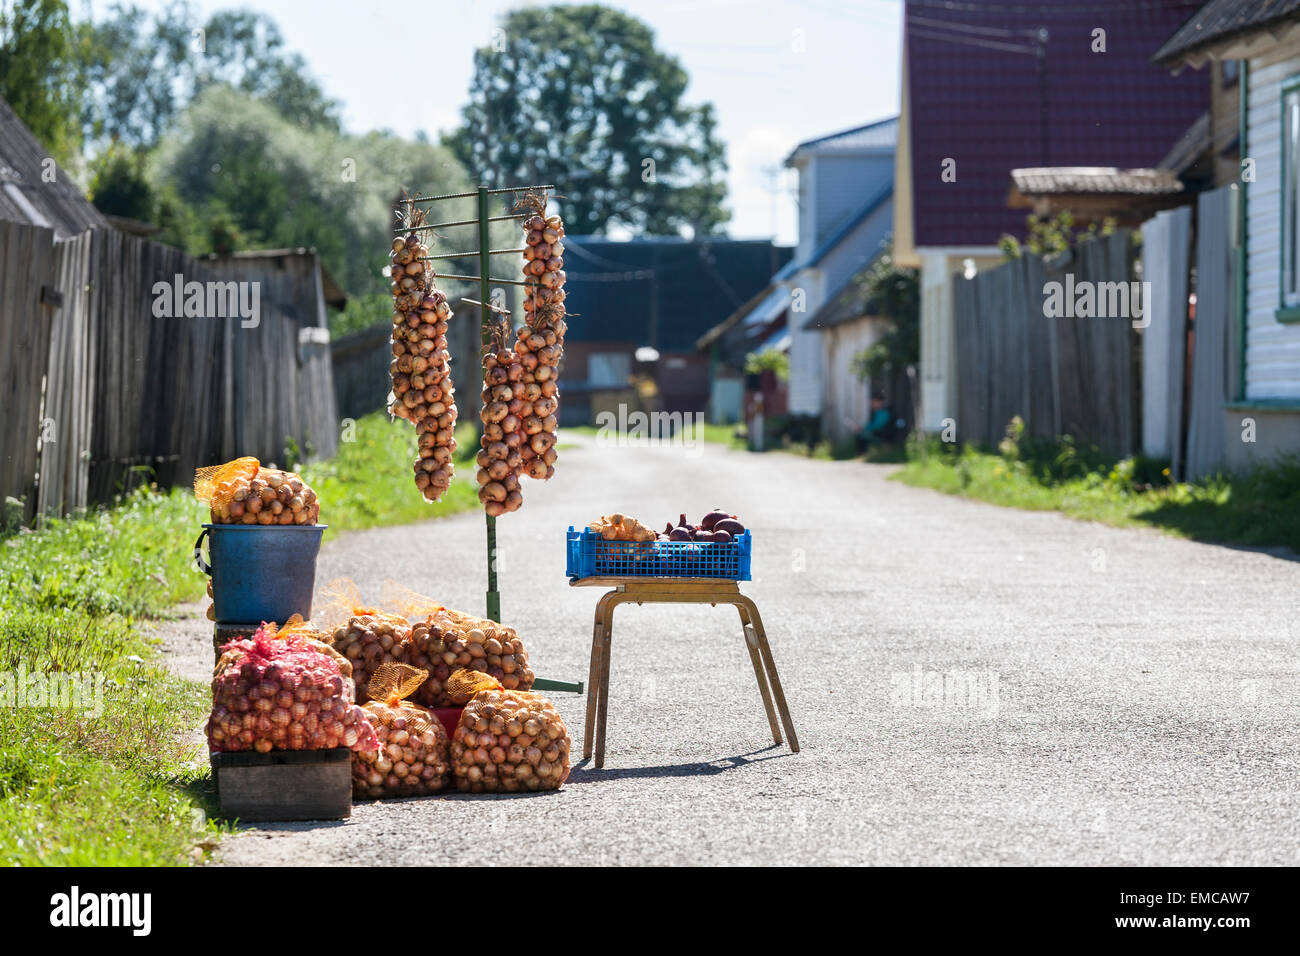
(484, 279)
(484, 254)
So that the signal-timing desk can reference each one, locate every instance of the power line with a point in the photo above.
(968, 41)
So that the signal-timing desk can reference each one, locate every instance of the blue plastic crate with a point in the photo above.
(590, 555)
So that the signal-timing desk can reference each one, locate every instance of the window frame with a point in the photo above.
(1288, 306)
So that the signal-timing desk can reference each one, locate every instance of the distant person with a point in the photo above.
(880, 427)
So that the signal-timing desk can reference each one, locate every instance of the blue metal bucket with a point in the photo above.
(260, 572)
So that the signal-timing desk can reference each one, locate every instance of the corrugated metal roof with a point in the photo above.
(977, 96)
(1220, 20)
(1193, 144)
(26, 193)
(1107, 180)
(839, 235)
(848, 304)
(882, 135)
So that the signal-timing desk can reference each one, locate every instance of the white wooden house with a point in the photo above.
(1264, 35)
(846, 211)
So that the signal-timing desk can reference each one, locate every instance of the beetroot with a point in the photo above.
(710, 520)
(731, 526)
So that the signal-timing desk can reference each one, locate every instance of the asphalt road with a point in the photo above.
(970, 684)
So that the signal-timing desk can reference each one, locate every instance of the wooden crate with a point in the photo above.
(224, 633)
(284, 784)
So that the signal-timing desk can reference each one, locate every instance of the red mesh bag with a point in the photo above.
(273, 693)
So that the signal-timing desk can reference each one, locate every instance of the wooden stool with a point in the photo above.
(675, 591)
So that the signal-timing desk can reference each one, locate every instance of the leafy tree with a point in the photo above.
(769, 360)
(283, 186)
(579, 95)
(1048, 237)
(119, 184)
(39, 78)
(891, 291)
(143, 71)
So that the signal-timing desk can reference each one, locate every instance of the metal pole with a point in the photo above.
(486, 321)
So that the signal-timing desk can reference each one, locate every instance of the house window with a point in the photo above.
(1291, 193)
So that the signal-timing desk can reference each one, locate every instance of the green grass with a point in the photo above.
(370, 481)
(117, 788)
(122, 787)
(1257, 509)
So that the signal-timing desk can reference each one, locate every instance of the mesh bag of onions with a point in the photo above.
(506, 740)
(273, 693)
(369, 641)
(439, 642)
(412, 756)
(243, 492)
(461, 640)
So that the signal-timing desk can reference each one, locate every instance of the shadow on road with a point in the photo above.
(585, 772)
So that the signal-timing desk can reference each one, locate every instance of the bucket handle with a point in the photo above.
(199, 563)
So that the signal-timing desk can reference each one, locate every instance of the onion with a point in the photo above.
(239, 491)
(284, 691)
(522, 744)
(419, 345)
(411, 759)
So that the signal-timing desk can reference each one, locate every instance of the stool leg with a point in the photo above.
(751, 644)
(777, 692)
(603, 708)
(593, 676)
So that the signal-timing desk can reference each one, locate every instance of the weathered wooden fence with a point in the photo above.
(361, 377)
(106, 390)
(26, 259)
(1063, 374)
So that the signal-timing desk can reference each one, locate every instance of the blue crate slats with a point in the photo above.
(589, 555)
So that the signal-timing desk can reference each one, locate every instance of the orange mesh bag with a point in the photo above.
(369, 638)
(469, 642)
(272, 693)
(507, 740)
(412, 756)
(243, 492)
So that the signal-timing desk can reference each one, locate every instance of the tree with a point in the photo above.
(142, 72)
(119, 184)
(39, 78)
(579, 95)
(1050, 237)
(891, 291)
(279, 185)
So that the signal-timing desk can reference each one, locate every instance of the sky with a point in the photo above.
(777, 72)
